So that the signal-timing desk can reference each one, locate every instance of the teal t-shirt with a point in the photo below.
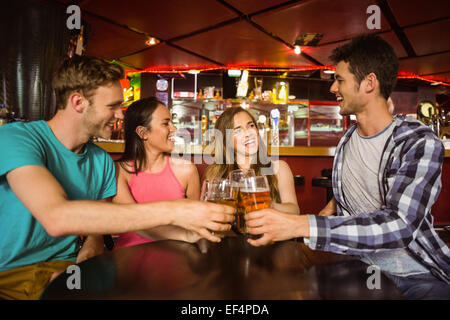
(85, 176)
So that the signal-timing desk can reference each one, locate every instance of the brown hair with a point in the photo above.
(222, 170)
(83, 74)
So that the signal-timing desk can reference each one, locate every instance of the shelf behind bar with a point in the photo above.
(115, 147)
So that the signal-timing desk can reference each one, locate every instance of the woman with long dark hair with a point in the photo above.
(147, 173)
(239, 146)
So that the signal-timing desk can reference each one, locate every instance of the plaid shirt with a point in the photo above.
(410, 181)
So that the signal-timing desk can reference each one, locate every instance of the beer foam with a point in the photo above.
(256, 190)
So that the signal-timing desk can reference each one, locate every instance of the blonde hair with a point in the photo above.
(222, 170)
(83, 74)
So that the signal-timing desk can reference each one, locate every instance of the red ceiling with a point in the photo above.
(321, 53)
(241, 43)
(109, 41)
(211, 33)
(430, 38)
(410, 12)
(165, 57)
(251, 6)
(427, 65)
(163, 19)
(336, 20)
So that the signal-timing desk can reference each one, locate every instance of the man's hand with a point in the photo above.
(202, 217)
(93, 246)
(275, 226)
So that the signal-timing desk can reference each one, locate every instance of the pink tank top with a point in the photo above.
(150, 187)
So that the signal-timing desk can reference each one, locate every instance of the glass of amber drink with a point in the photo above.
(236, 176)
(239, 174)
(255, 194)
(221, 191)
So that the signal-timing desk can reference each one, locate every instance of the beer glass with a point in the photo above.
(255, 193)
(236, 176)
(221, 191)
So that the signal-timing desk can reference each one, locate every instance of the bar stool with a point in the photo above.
(299, 180)
(324, 181)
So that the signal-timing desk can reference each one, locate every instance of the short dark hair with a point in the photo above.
(369, 53)
(83, 74)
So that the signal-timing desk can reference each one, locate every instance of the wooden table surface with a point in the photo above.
(232, 269)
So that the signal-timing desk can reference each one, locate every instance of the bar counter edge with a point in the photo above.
(303, 151)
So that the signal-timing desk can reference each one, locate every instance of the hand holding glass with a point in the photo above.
(221, 191)
(255, 194)
(236, 176)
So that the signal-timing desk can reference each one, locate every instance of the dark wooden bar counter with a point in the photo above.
(232, 269)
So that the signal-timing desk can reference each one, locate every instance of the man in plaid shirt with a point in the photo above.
(386, 177)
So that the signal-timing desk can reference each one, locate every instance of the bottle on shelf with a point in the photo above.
(275, 115)
(262, 128)
(243, 85)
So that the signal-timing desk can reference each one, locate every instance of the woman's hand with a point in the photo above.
(329, 209)
(93, 246)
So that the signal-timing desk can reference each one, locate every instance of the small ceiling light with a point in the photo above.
(297, 50)
(193, 71)
(151, 41)
(434, 84)
(328, 71)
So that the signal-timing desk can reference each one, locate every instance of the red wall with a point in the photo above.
(441, 209)
(312, 199)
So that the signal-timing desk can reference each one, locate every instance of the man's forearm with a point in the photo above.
(95, 217)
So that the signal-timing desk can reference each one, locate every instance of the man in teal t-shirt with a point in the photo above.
(88, 175)
(29, 255)
(50, 174)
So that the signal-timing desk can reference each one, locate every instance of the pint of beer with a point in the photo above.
(254, 195)
(255, 200)
(237, 176)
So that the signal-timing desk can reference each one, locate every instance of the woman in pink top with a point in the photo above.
(147, 173)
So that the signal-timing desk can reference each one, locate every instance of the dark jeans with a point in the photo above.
(421, 287)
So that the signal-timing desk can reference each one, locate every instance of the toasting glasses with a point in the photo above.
(236, 176)
(255, 193)
(222, 191)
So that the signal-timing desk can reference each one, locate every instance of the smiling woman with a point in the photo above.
(248, 152)
(146, 173)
